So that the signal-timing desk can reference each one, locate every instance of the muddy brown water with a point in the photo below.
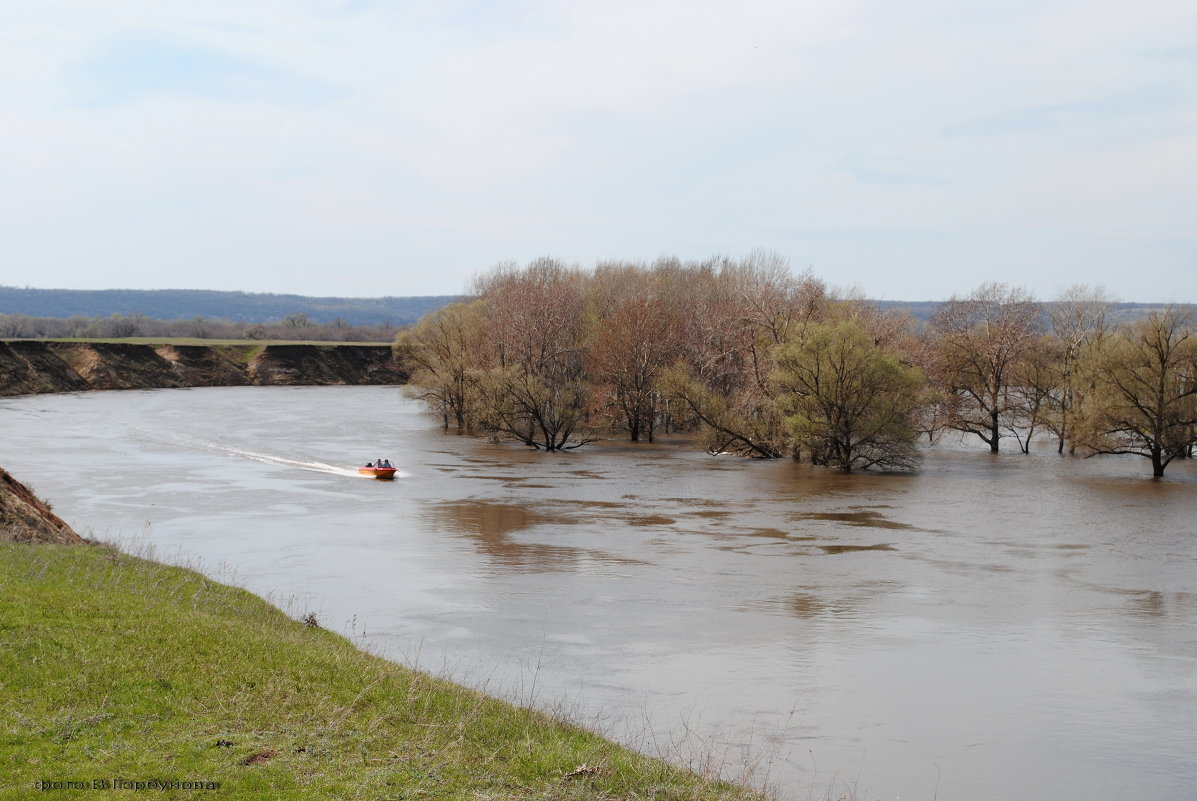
(988, 628)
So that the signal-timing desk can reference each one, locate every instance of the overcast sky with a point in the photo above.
(912, 149)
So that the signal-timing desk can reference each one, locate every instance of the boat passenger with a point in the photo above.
(387, 464)
(369, 464)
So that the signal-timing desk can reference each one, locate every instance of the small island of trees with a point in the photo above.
(760, 362)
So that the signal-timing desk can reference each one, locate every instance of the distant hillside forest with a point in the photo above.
(119, 313)
(235, 307)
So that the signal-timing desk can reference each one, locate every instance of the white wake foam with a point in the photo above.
(195, 443)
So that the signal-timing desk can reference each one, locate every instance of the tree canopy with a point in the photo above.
(753, 359)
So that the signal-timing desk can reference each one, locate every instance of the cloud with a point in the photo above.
(130, 68)
(883, 171)
(1146, 101)
(422, 140)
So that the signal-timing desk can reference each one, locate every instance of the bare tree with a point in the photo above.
(536, 388)
(772, 299)
(747, 424)
(121, 327)
(1035, 389)
(634, 340)
(298, 320)
(15, 326)
(1077, 319)
(738, 314)
(976, 343)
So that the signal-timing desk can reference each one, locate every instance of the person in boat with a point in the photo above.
(369, 464)
(386, 464)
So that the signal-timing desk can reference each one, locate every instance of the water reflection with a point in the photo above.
(837, 549)
(650, 520)
(1154, 605)
(489, 525)
(593, 504)
(778, 534)
(813, 606)
(867, 518)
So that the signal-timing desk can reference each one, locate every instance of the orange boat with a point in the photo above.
(384, 473)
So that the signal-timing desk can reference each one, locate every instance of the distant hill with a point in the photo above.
(242, 307)
(248, 307)
(1119, 312)
(918, 309)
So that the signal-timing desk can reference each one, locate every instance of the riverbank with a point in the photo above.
(122, 670)
(39, 366)
(26, 518)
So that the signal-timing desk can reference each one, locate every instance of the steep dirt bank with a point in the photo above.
(26, 518)
(29, 367)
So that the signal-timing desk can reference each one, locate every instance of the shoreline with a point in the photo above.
(123, 668)
(125, 674)
(33, 367)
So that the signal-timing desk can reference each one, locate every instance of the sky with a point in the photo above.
(910, 150)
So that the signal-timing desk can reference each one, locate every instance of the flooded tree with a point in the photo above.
(976, 344)
(1035, 391)
(635, 339)
(1077, 319)
(749, 424)
(1144, 397)
(443, 353)
(849, 403)
(535, 387)
(757, 361)
(738, 315)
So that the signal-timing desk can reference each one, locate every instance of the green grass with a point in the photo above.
(116, 667)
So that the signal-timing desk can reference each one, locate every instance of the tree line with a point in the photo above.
(758, 361)
(298, 325)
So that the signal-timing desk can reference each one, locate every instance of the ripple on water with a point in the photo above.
(865, 518)
(838, 549)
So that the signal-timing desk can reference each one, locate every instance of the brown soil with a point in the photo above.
(29, 367)
(26, 518)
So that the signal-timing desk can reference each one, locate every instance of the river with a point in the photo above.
(987, 628)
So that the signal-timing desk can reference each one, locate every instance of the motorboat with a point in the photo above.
(384, 473)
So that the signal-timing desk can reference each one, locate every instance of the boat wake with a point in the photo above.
(316, 467)
(267, 458)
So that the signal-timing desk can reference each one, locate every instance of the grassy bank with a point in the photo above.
(116, 668)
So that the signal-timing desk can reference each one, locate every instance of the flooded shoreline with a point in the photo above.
(991, 627)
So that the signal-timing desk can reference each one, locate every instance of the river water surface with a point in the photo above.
(985, 629)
